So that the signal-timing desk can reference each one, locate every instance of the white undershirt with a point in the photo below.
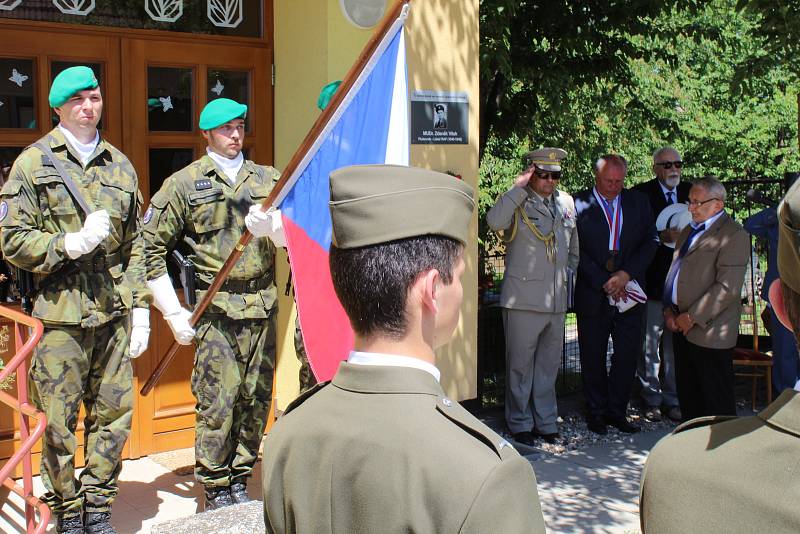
(392, 360)
(229, 166)
(797, 386)
(84, 151)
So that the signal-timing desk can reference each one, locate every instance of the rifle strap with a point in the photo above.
(72, 187)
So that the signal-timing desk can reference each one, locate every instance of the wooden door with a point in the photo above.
(166, 85)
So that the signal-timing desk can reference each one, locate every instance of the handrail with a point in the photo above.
(20, 404)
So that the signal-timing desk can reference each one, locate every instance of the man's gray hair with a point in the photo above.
(664, 149)
(713, 186)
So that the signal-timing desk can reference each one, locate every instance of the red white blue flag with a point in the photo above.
(369, 126)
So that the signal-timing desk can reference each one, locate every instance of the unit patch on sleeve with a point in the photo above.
(148, 215)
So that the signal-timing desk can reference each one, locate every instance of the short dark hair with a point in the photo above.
(372, 282)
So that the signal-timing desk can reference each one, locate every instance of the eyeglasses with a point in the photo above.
(669, 164)
(544, 175)
(698, 203)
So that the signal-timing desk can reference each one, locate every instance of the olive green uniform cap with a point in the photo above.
(789, 238)
(372, 204)
(547, 159)
(219, 111)
(70, 81)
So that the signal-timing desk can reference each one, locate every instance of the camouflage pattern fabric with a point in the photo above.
(232, 381)
(306, 375)
(36, 210)
(198, 208)
(66, 359)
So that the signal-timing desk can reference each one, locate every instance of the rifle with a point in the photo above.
(188, 280)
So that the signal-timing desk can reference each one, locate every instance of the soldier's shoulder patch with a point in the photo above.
(3, 210)
(148, 215)
(201, 185)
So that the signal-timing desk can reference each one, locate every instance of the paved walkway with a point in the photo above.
(592, 490)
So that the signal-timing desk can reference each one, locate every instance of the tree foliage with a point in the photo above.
(674, 82)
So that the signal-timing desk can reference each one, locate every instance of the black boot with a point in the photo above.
(218, 497)
(98, 523)
(71, 524)
(239, 492)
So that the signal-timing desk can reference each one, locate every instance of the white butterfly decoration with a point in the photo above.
(218, 88)
(166, 102)
(17, 77)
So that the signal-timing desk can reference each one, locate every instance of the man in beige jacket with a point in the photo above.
(731, 475)
(381, 448)
(702, 302)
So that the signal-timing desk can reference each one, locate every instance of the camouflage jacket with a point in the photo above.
(198, 206)
(37, 210)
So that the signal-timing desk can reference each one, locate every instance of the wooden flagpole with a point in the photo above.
(314, 132)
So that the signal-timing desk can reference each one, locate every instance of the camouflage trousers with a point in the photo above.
(232, 382)
(91, 366)
(305, 375)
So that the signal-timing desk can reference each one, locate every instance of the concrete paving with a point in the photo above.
(593, 490)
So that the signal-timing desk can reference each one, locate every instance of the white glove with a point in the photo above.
(266, 224)
(166, 301)
(140, 331)
(95, 229)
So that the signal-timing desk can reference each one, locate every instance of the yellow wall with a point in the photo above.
(314, 44)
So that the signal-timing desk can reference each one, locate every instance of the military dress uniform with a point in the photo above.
(235, 354)
(395, 455)
(541, 244)
(84, 305)
(721, 474)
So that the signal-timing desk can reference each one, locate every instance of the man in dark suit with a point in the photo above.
(702, 302)
(617, 240)
(657, 358)
(728, 474)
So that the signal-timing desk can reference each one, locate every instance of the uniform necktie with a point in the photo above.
(549, 205)
(676, 265)
(669, 198)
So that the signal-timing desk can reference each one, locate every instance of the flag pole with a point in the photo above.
(323, 119)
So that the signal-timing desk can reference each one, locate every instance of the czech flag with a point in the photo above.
(369, 126)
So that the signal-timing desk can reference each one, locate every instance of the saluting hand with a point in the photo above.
(524, 177)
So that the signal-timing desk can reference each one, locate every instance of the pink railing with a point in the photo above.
(20, 404)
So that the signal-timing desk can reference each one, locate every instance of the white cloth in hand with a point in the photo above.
(266, 224)
(167, 302)
(633, 296)
(95, 229)
(140, 331)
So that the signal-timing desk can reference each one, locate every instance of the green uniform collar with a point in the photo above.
(58, 143)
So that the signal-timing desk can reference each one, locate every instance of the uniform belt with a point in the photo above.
(240, 286)
(96, 263)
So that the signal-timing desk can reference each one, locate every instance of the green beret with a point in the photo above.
(326, 94)
(789, 238)
(70, 81)
(219, 111)
(547, 159)
(372, 204)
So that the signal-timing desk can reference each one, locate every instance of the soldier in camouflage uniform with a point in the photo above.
(90, 278)
(205, 207)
